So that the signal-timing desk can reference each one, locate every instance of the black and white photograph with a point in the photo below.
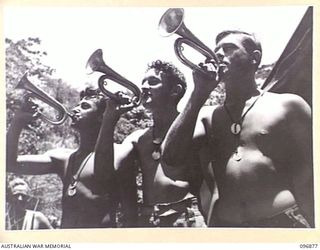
(136, 117)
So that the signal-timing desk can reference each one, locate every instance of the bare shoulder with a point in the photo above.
(207, 111)
(39, 215)
(291, 102)
(125, 152)
(60, 153)
(135, 136)
(42, 220)
(206, 114)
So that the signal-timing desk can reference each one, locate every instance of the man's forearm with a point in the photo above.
(13, 135)
(180, 135)
(104, 150)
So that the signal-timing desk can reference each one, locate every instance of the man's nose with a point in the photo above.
(220, 54)
(75, 110)
(145, 85)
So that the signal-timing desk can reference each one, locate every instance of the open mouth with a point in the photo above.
(75, 118)
(146, 95)
(223, 68)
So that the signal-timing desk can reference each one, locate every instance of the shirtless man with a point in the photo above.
(86, 201)
(259, 143)
(19, 215)
(167, 197)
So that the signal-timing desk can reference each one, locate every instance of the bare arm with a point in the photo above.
(43, 222)
(30, 164)
(188, 128)
(126, 159)
(104, 169)
(300, 132)
(113, 164)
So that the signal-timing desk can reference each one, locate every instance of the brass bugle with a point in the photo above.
(97, 64)
(35, 92)
(170, 23)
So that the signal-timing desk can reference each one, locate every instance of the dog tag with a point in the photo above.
(156, 155)
(235, 128)
(72, 188)
(72, 191)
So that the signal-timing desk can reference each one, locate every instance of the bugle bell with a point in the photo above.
(38, 93)
(97, 64)
(172, 22)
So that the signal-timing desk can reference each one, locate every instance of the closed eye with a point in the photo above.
(227, 47)
(85, 105)
(151, 80)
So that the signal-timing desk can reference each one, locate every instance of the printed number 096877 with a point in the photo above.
(308, 245)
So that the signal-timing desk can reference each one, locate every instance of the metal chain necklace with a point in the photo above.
(236, 127)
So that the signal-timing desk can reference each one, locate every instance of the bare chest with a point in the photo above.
(257, 151)
(263, 128)
(150, 159)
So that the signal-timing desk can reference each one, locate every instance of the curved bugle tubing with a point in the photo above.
(97, 64)
(170, 23)
(35, 92)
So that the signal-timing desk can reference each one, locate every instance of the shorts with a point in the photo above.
(289, 218)
(184, 213)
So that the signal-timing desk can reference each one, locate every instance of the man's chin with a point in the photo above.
(146, 103)
(74, 125)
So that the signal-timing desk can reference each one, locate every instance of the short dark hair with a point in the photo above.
(172, 73)
(95, 95)
(251, 43)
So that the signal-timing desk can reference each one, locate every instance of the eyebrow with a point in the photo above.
(150, 78)
(222, 45)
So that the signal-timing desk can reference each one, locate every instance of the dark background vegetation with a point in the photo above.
(26, 55)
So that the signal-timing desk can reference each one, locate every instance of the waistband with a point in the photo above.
(165, 209)
(290, 217)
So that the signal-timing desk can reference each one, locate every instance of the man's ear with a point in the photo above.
(176, 90)
(256, 57)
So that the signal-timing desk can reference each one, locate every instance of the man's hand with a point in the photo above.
(206, 82)
(114, 108)
(28, 112)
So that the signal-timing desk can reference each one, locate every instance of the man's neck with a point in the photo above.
(87, 142)
(163, 119)
(239, 91)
